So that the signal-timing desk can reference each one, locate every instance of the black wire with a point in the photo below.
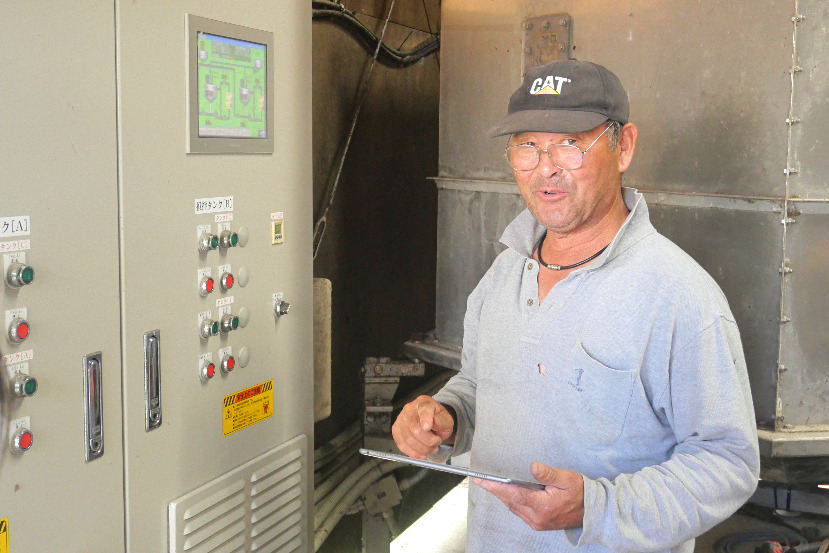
(335, 12)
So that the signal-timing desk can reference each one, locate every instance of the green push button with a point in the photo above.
(214, 328)
(234, 239)
(30, 387)
(28, 275)
(234, 323)
(214, 242)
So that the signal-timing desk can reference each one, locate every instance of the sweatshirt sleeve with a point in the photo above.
(714, 467)
(459, 391)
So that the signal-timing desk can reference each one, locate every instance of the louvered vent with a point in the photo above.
(258, 507)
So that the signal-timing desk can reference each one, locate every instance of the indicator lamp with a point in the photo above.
(226, 282)
(23, 385)
(207, 371)
(206, 285)
(228, 363)
(18, 330)
(22, 440)
(19, 274)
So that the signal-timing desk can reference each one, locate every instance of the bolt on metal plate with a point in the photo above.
(546, 38)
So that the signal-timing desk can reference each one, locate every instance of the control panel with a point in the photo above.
(145, 353)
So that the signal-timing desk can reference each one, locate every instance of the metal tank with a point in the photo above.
(731, 104)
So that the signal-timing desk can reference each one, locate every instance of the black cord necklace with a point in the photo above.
(565, 267)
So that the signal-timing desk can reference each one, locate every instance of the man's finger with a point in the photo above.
(553, 477)
(426, 414)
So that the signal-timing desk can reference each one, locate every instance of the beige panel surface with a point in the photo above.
(159, 183)
(58, 167)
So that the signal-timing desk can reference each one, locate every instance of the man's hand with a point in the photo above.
(560, 505)
(422, 426)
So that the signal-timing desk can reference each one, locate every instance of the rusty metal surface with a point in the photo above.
(732, 104)
(546, 38)
(810, 103)
(804, 384)
(711, 118)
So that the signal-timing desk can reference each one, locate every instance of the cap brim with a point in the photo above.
(547, 120)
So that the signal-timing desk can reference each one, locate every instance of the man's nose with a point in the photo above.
(546, 168)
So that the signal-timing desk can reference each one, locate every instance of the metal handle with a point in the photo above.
(152, 379)
(93, 407)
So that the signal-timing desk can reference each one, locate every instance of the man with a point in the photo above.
(598, 358)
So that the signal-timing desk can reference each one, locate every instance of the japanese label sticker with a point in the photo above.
(247, 407)
(4, 535)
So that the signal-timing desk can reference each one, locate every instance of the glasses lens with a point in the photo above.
(525, 158)
(522, 158)
(566, 156)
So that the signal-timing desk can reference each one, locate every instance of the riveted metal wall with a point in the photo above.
(730, 99)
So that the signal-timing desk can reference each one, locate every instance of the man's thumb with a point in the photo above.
(443, 420)
(544, 474)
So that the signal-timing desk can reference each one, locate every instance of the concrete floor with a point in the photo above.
(443, 528)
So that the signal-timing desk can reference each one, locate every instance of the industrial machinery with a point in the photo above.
(155, 229)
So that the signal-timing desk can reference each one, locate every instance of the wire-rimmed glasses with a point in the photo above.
(564, 156)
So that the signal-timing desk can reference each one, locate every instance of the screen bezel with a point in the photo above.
(226, 145)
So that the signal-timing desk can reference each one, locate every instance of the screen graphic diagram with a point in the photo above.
(232, 81)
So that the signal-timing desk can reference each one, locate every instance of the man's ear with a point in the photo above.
(626, 145)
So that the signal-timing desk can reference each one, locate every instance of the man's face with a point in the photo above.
(568, 201)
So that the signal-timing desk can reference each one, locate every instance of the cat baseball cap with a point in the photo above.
(566, 96)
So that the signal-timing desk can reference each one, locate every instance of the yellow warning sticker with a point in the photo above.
(4, 535)
(245, 408)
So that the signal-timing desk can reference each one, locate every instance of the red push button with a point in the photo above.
(22, 440)
(207, 371)
(228, 363)
(226, 281)
(206, 285)
(18, 330)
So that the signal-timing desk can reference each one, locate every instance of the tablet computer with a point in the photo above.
(463, 471)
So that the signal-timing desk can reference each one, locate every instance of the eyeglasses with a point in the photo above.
(563, 156)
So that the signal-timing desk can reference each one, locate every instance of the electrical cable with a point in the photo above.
(335, 12)
(326, 452)
(334, 466)
(346, 495)
(324, 487)
(331, 189)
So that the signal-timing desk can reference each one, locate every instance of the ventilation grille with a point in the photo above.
(258, 507)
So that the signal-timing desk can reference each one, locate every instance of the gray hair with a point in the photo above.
(615, 129)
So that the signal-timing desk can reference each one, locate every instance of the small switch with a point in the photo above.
(207, 371)
(281, 308)
(206, 285)
(18, 330)
(229, 322)
(208, 328)
(228, 363)
(19, 274)
(208, 241)
(23, 385)
(22, 440)
(226, 281)
(228, 239)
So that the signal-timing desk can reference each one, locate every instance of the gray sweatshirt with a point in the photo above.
(631, 373)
